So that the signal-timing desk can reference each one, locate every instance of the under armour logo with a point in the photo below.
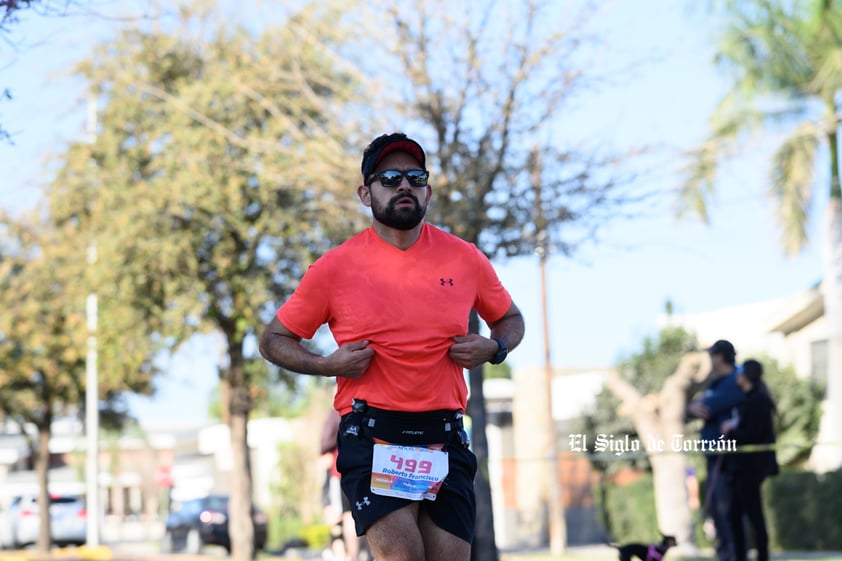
(364, 503)
(443, 281)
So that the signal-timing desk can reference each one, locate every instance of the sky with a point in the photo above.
(603, 301)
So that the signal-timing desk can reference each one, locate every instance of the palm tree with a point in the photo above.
(785, 58)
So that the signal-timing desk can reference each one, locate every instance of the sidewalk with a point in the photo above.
(148, 551)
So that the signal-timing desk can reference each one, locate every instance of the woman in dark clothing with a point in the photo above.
(751, 427)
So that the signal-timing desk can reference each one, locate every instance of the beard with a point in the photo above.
(403, 218)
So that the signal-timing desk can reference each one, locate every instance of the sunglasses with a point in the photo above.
(391, 178)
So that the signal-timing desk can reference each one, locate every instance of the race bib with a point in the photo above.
(408, 472)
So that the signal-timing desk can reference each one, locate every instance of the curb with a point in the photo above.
(99, 553)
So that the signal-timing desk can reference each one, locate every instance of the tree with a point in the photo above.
(646, 370)
(485, 87)
(218, 172)
(784, 61)
(42, 342)
(42, 366)
(8, 10)
(653, 389)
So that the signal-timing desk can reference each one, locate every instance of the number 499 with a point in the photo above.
(412, 465)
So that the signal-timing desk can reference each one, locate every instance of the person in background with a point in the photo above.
(345, 544)
(751, 425)
(718, 399)
(397, 298)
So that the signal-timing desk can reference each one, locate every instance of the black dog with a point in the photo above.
(646, 552)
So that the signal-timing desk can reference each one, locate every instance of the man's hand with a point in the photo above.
(727, 426)
(698, 410)
(351, 360)
(469, 351)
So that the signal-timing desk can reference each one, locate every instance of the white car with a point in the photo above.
(19, 524)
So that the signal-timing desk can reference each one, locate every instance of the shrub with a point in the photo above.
(628, 510)
(803, 510)
(317, 536)
(282, 529)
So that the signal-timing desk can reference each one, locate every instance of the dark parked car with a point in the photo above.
(195, 523)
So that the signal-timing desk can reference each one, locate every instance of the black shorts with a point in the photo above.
(453, 510)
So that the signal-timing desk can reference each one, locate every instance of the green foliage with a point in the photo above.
(798, 411)
(801, 507)
(281, 395)
(658, 359)
(42, 328)
(219, 172)
(281, 529)
(784, 63)
(803, 510)
(628, 511)
(317, 536)
(502, 370)
(287, 492)
(629, 514)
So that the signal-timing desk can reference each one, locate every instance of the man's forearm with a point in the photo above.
(509, 329)
(290, 354)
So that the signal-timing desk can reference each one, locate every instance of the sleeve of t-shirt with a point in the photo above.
(309, 306)
(726, 395)
(492, 300)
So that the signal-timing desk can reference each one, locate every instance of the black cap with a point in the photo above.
(386, 144)
(724, 348)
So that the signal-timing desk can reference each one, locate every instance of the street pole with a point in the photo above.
(92, 386)
(557, 524)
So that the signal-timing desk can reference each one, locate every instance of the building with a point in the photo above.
(519, 470)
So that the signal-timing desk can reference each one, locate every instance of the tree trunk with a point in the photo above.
(670, 469)
(484, 547)
(657, 418)
(828, 455)
(42, 466)
(224, 400)
(672, 503)
(240, 523)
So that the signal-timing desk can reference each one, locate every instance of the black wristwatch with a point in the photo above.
(502, 352)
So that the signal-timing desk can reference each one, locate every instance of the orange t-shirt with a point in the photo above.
(409, 304)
